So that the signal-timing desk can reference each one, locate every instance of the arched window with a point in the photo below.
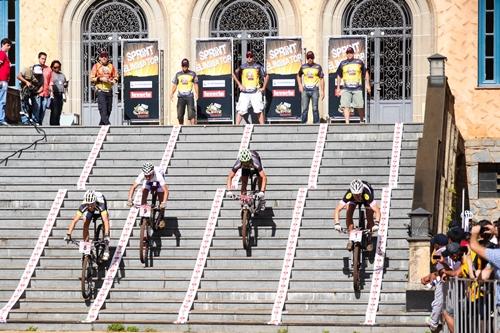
(388, 25)
(248, 22)
(105, 24)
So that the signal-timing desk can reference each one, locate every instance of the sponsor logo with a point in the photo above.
(141, 111)
(214, 84)
(283, 83)
(214, 110)
(141, 84)
(141, 94)
(283, 109)
(283, 93)
(214, 93)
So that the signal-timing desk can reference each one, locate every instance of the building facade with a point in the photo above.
(401, 35)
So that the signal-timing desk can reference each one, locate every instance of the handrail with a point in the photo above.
(439, 152)
(34, 143)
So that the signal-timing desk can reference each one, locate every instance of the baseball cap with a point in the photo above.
(310, 55)
(104, 54)
(451, 249)
(439, 239)
(349, 50)
(249, 54)
(185, 63)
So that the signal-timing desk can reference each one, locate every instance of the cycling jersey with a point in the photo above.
(101, 207)
(367, 197)
(255, 164)
(185, 82)
(157, 181)
(352, 72)
(312, 75)
(251, 75)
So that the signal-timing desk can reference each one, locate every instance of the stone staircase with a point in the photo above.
(236, 292)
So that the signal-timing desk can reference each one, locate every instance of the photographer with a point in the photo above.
(438, 244)
(490, 254)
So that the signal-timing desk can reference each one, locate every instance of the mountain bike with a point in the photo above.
(92, 262)
(250, 205)
(151, 217)
(360, 238)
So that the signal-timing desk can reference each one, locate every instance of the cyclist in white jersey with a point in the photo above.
(150, 178)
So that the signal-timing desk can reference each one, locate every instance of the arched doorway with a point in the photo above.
(247, 22)
(105, 25)
(388, 25)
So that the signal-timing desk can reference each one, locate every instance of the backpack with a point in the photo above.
(34, 74)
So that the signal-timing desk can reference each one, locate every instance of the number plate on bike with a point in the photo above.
(145, 211)
(85, 247)
(356, 235)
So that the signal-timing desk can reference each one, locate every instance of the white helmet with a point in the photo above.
(89, 197)
(244, 155)
(356, 186)
(148, 168)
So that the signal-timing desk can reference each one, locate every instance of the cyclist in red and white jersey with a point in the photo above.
(360, 193)
(249, 162)
(150, 178)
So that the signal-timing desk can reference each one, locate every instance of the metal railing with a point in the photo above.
(472, 305)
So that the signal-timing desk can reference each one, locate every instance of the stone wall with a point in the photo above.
(481, 151)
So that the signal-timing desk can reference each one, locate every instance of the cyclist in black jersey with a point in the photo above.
(94, 205)
(249, 162)
(360, 193)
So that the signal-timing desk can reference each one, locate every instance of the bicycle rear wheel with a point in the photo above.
(144, 241)
(86, 281)
(356, 267)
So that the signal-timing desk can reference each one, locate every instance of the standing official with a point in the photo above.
(311, 86)
(185, 82)
(104, 76)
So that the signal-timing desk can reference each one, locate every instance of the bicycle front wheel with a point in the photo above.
(87, 281)
(245, 235)
(144, 241)
(356, 267)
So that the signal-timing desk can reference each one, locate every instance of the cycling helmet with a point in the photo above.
(148, 168)
(89, 197)
(356, 186)
(244, 155)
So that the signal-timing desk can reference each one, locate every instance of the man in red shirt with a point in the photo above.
(5, 45)
(104, 76)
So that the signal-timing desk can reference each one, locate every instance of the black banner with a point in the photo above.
(336, 53)
(214, 66)
(283, 59)
(141, 70)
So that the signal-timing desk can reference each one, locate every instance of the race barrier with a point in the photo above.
(378, 269)
(202, 258)
(245, 141)
(92, 157)
(378, 266)
(286, 270)
(35, 256)
(169, 150)
(318, 154)
(396, 155)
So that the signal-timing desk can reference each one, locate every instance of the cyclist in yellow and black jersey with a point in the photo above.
(94, 205)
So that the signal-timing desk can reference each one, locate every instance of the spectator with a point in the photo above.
(352, 71)
(450, 265)
(185, 81)
(59, 87)
(438, 244)
(5, 45)
(490, 254)
(35, 81)
(104, 76)
(312, 87)
(250, 73)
